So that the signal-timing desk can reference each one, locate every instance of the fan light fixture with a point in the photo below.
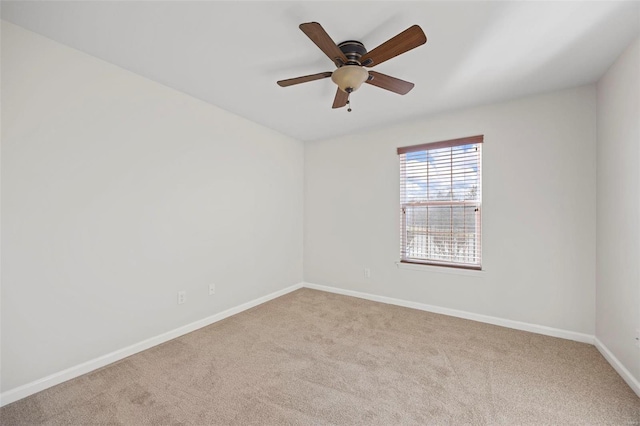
(349, 77)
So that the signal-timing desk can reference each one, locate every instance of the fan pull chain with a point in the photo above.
(349, 103)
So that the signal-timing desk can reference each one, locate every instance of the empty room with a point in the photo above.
(347, 213)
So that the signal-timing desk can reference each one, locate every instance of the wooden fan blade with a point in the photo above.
(409, 39)
(304, 79)
(341, 99)
(392, 84)
(319, 36)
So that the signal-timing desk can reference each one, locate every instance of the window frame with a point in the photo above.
(471, 140)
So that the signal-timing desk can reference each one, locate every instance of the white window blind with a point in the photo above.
(441, 203)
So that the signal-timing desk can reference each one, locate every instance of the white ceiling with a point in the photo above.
(232, 53)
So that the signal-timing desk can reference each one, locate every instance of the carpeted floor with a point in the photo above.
(312, 357)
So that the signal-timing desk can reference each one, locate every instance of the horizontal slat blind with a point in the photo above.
(441, 202)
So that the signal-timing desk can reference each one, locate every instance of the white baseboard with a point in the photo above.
(617, 365)
(534, 328)
(23, 391)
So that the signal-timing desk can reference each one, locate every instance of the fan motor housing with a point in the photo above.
(353, 50)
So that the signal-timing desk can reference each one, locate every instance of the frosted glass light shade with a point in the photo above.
(349, 77)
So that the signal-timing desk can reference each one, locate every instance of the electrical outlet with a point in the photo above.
(212, 289)
(182, 297)
(367, 273)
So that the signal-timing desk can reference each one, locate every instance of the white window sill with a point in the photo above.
(440, 269)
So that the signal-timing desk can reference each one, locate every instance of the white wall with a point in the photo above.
(538, 215)
(116, 193)
(618, 189)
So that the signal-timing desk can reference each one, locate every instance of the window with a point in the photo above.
(441, 203)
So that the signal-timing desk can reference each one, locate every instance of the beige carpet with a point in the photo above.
(318, 358)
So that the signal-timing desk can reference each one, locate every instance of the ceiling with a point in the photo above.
(231, 54)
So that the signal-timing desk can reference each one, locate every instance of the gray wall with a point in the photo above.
(116, 193)
(618, 254)
(539, 159)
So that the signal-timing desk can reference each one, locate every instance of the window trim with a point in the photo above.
(478, 139)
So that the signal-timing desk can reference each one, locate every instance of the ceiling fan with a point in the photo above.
(351, 57)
